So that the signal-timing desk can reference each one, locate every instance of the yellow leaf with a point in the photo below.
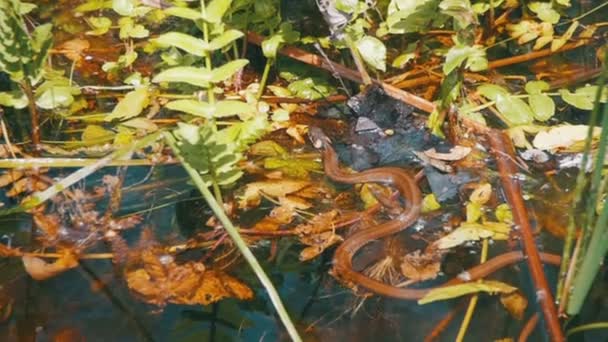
(469, 231)
(474, 212)
(429, 203)
(95, 134)
(515, 303)
(481, 194)
(454, 291)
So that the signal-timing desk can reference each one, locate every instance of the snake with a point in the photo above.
(407, 186)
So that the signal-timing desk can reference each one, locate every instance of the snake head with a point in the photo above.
(318, 138)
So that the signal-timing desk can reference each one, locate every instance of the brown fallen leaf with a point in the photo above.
(419, 267)
(10, 176)
(320, 223)
(73, 49)
(48, 223)
(456, 153)
(6, 251)
(277, 188)
(317, 244)
(39, 269)
(515, 303)
(161, 281)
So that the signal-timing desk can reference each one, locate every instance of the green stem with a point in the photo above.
(269, 63)
(581, 183)
(595, 236)
(210, 95)
(238, 240)
(590, 326)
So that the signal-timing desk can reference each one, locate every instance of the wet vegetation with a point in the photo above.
(303, 170)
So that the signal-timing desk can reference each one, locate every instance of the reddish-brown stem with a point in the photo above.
(528, 328)
(312, 59)
(443, 324)
(34, 119)
(504, 154)
(533, 55)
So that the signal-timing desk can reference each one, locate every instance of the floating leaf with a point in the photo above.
(55, 97)
(131, 105)
(542, 106)
(373, 52)
(470, 231)
(474, 55)
(562, 137)
(491, 91)
(278, 188)
(100, 25)
(556, 44)
(459, 290)
(515, 110)
(39, 269)
(536, 87)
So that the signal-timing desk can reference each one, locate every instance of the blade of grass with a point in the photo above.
(236, 237)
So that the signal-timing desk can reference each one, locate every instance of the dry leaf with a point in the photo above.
(456, 153)
(454, 291)
(73, 49)
(515, 303)
(280, 188)
(320, 223)
(10, 176)
(419, 267)
(482, 193)
(6, 251)
(317, 244)
(48, 223)
(161, 281)
(563, 137)
(469, 231)
(39, 269)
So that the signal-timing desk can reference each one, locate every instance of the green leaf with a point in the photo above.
(286, 34)
(414, 16)
(93, 5)
(515, 110)
(192, 75)
(545, 11)
(100, 25)
(542, 106)
(536, 87)
(41, 35)
(193, 107)
(131, 105)
(491, 91)
(347, 6)
(224, 39)
(215, 10)
(55, 97)
(373, 52)
(128, 28)
(460, 10)
(16, 100)
(183, 12)
(231, 107)
(227, 70)
(96, 134)
(186, 42)
(584, 97)
(459, 290)
(459, 53)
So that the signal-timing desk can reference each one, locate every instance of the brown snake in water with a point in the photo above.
(407, 186)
